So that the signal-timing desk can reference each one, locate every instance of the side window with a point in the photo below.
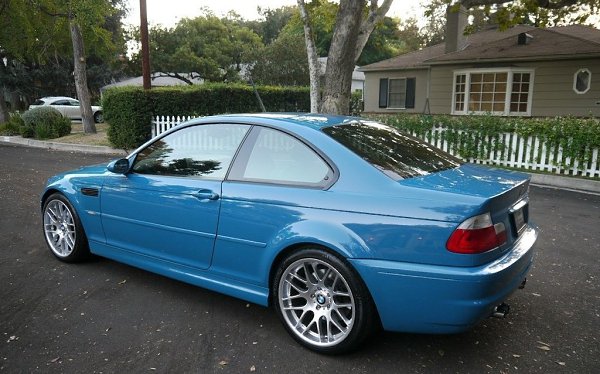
(203, 151)
(73, 103)
(277, 157)
(60, 102)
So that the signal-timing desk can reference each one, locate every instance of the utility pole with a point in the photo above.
(145, 46)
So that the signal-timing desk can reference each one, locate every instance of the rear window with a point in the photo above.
(38, 102)
(398, 155)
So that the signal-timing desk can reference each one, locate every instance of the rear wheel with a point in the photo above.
(98, 117)
(63, 230)
(322, 302)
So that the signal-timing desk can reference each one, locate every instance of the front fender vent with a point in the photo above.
(87, 191)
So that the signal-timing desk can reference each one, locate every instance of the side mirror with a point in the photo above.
(120, 166)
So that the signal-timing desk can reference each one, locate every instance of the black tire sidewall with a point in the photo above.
(364, 310)
(80, 249)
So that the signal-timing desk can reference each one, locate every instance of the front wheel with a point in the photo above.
(322, 302)
(63, 230)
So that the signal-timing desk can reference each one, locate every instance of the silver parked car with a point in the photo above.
(68, 107)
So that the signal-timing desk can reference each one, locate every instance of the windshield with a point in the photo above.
(398, 155)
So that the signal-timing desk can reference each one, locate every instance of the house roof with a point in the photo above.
(157, 80)
(494, 45)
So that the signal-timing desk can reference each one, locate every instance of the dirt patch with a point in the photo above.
(77, 136)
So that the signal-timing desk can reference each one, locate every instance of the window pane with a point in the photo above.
(476, 77)
(397, 155)
(280, 158)
(501, 77)
(199, 151)
(582, 81)
(397, 93)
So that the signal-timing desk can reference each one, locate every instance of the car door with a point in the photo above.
(73, 109)
(275, 184)
(62, 106)
(167, 207)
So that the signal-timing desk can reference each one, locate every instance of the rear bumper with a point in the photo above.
(439, 299)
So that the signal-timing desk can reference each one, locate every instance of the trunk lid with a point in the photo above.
(505, 194)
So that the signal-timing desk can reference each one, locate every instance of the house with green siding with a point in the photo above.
(522, 71)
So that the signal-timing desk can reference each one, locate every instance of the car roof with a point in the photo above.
(284, 120)
(52, 98)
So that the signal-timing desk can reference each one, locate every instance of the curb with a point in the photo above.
(96, 149)
(566, 183)
(544, 180)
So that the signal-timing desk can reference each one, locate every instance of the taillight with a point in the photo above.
(476, 235)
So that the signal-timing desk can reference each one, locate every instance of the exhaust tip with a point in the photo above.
(501, 311)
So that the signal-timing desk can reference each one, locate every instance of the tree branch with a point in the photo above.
(546, 4)
(376, 14)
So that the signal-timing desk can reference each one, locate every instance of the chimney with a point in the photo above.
(524, 38)
(456, 21)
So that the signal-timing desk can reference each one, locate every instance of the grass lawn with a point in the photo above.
(77, 135)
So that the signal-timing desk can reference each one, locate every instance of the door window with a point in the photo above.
(203, 151)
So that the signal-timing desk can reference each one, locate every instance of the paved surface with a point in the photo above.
(102, 316)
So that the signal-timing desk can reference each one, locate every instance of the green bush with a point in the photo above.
(44, 123)
(13, 126)
(130, 110)
(577, 137)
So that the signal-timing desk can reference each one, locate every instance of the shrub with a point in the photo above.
(13, 126)
(129, 110)
(44, 123)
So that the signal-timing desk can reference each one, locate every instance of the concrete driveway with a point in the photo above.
(102, 316)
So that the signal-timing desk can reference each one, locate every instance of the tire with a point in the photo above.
(63, 230)
(98, 117)
(322, 302)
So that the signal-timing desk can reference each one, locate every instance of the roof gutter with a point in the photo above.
(513, 59)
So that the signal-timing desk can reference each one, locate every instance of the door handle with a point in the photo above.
(206, 194)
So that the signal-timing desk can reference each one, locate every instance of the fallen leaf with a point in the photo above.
(561, 363)
(123, 281)
(441, 353)
(544, 348)
(516, 356)
(546, 344)
(252, 368)
(223, 363)
(536, 294)
(55, 359)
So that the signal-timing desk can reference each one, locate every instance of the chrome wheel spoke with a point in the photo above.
(60, 228)
(316, 302)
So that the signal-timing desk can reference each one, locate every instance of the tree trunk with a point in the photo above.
(4, 116)
(313, 60)
(83, 94)
(342, 56)
(350, 35)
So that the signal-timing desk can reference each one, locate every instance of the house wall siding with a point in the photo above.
(553, 93)
(372, 90)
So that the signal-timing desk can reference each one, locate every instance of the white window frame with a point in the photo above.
(575, 81)
(405, 79)
(507, 99)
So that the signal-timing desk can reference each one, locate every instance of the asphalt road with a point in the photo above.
(102, 316)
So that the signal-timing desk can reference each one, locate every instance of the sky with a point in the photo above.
(169, 12)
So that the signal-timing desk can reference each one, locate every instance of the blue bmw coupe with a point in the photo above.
(341, 224)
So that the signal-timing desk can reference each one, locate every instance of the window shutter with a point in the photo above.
(410, 92)
(383, 93)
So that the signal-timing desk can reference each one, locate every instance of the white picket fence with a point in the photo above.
(528, 153)
(164, 123)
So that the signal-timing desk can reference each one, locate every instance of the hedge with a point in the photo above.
(129, 110)
(577, 136)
